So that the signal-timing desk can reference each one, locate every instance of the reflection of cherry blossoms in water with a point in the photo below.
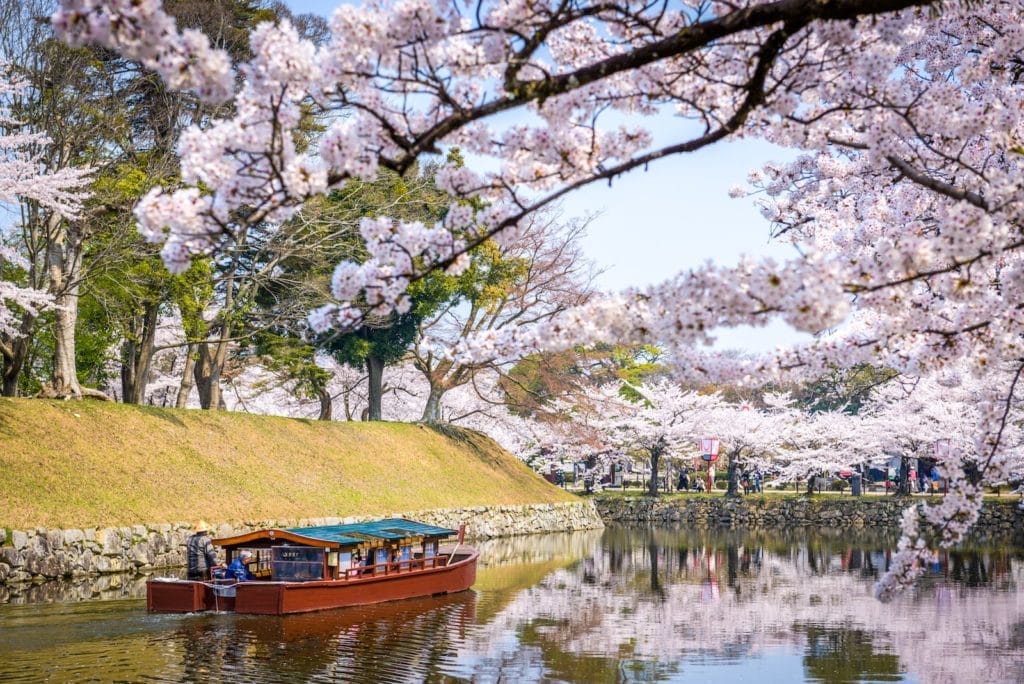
(625, 604)
(671, 597)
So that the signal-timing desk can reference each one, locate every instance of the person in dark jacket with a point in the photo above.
(201, 556)
(239, 568)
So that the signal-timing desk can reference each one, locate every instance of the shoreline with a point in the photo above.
(40, 554)
(1001, 520)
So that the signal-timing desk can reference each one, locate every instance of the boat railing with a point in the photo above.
(394, 568)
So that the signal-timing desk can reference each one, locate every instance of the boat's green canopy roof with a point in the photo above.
(389, 529)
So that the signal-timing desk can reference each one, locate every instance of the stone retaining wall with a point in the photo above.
(41, 554)
(999, 520)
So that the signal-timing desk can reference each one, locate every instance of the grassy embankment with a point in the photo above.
(85, 464)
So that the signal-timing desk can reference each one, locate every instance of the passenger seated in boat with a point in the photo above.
(358, 562)
(239, 568)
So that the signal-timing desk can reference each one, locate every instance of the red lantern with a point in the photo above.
(709, 449)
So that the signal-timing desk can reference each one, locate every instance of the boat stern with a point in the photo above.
(169, 595)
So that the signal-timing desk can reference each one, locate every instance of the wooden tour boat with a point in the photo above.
(304, 569)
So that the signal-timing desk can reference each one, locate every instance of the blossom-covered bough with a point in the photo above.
(22, 176)
(905, 206)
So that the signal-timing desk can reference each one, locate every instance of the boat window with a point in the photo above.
(382, 556)
(297, 563)
(429, 549)
(344, 560)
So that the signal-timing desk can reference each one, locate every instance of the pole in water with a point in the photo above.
(458, 541)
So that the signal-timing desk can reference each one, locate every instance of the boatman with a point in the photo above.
(201, 556)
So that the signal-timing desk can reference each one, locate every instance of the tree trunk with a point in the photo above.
(137, 355)
(733, 476)
(185, 388)
(326, 403)
(129, 351)
(432, 411)
(732, 567)
(64, 383)
(652, 486)
(64, 261)
(207, 375)
(375, 367)
(903, 486)
(11, 371)
(652, 553)
(15, 352)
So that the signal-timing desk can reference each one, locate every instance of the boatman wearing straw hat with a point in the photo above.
(201, 556)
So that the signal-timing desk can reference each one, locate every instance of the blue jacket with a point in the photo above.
(239, 570)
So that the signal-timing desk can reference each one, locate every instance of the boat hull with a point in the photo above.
(283, 598)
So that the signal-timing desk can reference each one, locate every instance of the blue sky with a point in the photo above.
(678, 215)
(675, 215)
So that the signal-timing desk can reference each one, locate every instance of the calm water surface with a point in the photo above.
(626, 604)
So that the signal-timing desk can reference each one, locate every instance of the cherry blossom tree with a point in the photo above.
(938, 420)
(904, 206)
(920, 418)
(24, 178)
(828, 442)
(664, 418)
(753, 437)
(541, 442)
(529, 279)
(439, 63)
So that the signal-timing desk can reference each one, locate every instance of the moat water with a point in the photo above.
(626, 604)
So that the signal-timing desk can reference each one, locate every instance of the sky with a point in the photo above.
(675, 215)
(678, 215)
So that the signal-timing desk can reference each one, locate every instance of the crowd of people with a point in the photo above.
(752, 481)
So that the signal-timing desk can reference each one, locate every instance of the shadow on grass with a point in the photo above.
(162, 414)
(7, 418)
(470, 438)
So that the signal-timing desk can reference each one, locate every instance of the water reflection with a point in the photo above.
(628, 604)
(105, 588)
(376, 643)
(847, 655)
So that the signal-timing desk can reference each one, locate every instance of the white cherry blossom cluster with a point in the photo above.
(667, 419)
(378, 284)
(23, 177)
(911, 557)
(21, 172)
(246, 169)
(683, 313)
(27, 299)
(60, 190)
(141, 30)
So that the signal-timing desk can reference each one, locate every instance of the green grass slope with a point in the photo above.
(96, 464)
